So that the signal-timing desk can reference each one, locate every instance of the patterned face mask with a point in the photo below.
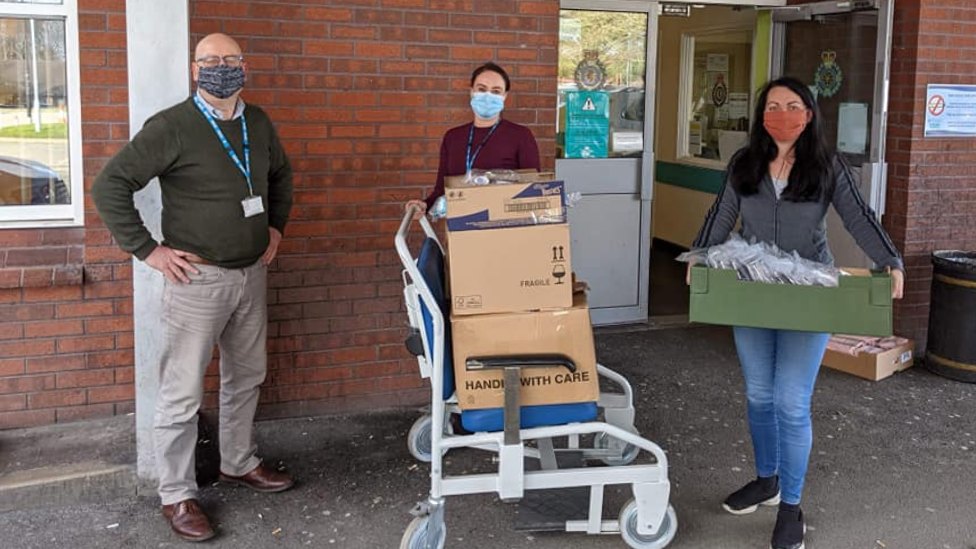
(221, 81)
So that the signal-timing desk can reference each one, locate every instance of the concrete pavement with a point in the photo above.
(894, 467)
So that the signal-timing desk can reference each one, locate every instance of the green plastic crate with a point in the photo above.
(860, 305)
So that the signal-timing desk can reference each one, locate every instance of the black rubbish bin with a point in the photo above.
(951, 349)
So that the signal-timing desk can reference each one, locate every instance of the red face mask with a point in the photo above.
(785, 126)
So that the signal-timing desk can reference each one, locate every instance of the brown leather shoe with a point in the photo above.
(261, 479)
(188, 520)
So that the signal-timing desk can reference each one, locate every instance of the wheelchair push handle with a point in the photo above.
(526, 361)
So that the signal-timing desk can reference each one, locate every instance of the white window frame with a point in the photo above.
(61, 215)
(686, 75)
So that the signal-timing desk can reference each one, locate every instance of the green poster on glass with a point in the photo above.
(587, 124)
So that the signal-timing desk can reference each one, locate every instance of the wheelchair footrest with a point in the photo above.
(549, 510)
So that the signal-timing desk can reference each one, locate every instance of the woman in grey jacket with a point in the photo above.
(781, 185)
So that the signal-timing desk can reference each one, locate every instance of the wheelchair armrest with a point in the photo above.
(527, 361)
(415, 343)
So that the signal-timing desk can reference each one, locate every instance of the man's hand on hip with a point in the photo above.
(172, 263)
(272, 250)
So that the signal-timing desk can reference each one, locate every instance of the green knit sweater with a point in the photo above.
(201, 187)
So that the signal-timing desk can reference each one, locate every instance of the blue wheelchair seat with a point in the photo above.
(430, 263)
(492, 419)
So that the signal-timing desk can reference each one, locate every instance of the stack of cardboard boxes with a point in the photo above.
(511, 288)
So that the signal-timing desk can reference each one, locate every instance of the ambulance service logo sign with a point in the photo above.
(829, 75)
(590, 74)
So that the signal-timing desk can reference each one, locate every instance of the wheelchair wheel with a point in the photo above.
(628, 528)
(415, 537)
(420, 439)
(628, 452)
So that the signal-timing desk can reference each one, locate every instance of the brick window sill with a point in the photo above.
(42, 277)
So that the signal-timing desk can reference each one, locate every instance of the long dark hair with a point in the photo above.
(812, 173)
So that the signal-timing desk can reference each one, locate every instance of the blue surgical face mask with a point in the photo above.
(487, 105)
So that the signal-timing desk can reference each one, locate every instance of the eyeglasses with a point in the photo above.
(215, 60)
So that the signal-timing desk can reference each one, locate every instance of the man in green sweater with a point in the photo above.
(226, 187)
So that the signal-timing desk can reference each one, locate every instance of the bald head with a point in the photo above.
(218, 52)
(218, 44)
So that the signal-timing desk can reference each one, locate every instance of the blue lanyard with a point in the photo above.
(468, 159)
(246, 166)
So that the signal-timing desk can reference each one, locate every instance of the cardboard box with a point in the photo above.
(860, 305)
(567, 332)
(498, 206)
(872, 366)
(506, 270)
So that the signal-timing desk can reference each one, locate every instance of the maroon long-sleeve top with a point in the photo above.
(510, 147)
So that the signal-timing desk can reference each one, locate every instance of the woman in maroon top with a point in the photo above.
(489, 142)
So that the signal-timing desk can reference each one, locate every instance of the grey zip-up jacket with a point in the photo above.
(800, 226)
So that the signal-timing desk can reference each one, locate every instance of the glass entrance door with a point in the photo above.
(604, 148)
(842, 51)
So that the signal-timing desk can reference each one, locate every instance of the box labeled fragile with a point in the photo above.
(510, 270)
(872, 366)
(565, 332)
(510, 205)
(859, 305)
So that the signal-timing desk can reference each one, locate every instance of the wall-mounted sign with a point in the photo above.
(587, 124)
(675, 10)
(717, 62)
(950, 111)
(738, 105)
(720, 92)
(852, 128)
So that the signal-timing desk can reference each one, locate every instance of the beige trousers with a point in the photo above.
(227, 307)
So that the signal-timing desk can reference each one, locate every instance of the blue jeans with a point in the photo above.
(780, 368)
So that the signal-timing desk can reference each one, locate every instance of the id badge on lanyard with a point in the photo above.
(253, 205)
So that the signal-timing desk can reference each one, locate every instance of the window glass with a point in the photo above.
(601, 84)
(34, 152)
(717, 87)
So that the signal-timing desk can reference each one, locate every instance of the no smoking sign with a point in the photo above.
(950, 110)
(937, 105)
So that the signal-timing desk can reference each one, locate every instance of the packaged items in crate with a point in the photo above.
(763, 262)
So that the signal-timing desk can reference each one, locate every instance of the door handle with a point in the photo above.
(647, 176)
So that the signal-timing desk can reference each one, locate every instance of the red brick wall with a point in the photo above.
(932, 182)
(911, 314)
(362, 92)
(65, 346)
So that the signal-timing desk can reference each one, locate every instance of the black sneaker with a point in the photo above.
(789, 530)
(762, 491)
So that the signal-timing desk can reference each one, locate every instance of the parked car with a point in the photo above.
(25, 181)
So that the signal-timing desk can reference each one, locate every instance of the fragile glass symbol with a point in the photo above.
(558, 270)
